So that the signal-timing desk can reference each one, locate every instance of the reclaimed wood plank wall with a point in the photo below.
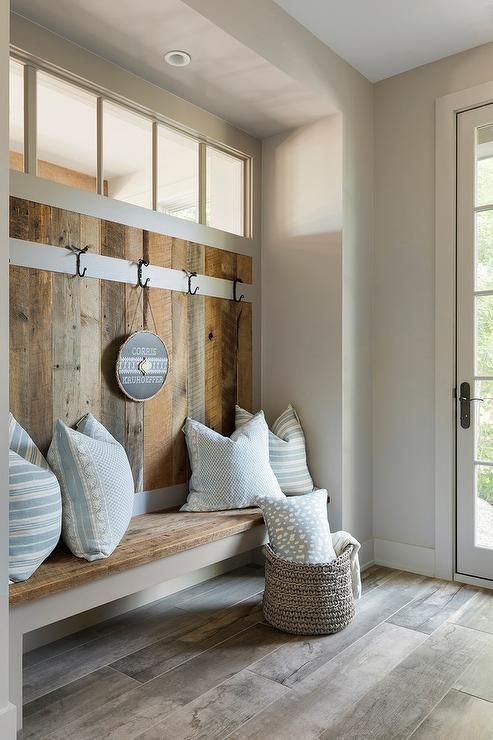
(65, 333)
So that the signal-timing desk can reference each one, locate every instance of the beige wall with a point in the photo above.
(404, 310)
(302, 291)
(273, 34)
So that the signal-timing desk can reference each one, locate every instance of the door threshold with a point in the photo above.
(474, 580)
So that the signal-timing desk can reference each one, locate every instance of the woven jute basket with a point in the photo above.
(308, 599)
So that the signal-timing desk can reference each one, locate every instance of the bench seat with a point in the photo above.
(149, 537)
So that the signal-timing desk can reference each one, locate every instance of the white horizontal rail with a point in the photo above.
(56, 259)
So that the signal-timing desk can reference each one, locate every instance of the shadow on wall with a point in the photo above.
(302, 291)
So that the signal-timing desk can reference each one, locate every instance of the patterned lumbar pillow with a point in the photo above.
(286, 450)
(97, 487)
(298, 527)
(35, 505)
(229, 472)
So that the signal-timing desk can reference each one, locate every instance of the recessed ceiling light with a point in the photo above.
(177, 58)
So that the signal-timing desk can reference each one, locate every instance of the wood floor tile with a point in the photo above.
(441, 601)
(297, 659)
(51, 674)
(478, 678)
(323, 697)
(457, 717)
(162, 656)
(142, 708)
(478, 614)
(218, 712)
(52, 712)
(396, 706)
(375, 576)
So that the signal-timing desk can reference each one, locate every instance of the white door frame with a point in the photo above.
(447, 108)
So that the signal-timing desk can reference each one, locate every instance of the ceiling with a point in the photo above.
(225, 77)
(381, 38)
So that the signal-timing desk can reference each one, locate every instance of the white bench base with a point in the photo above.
(29, 616)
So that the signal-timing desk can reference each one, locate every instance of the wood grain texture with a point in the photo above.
(218, 712)
(197, 650)
(456, 717)
(66, 333)
(319, 701)
(72, 701)
(149, 537)
(158, 411)
(404, 698)
(138, 710)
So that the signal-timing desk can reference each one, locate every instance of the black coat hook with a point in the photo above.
(235, 284)
(142, 263)
(191, 275)
(78, 252)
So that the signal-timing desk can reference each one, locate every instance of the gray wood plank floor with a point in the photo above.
(417, 661)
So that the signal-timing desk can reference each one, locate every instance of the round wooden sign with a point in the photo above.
(142, 365)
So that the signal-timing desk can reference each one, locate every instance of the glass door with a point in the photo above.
(475, 343)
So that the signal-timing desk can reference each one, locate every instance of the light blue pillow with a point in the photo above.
(97, 487)
(35, 505)
(229, 472)
(298, 527)
(287, 451)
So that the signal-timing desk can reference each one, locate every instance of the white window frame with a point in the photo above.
(31, 68)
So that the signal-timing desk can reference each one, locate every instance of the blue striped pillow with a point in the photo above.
(287, 451)
(35, 505)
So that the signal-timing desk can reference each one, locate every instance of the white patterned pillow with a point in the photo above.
(97, 487)
(298, 527)
(286, 451)
(229, 472)
(35, 505)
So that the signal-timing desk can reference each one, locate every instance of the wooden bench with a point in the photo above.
(156, 548)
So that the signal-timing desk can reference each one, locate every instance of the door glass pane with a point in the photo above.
(484, 420)
(178, 174)
(484, 334)
(127, 155)
(16, 115)
(484, 250)
(224, 191)
(484, 506)
(484, 165)
(66, 133)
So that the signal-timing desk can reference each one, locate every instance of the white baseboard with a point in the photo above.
(399, 555)
(366, 555)
(8, 722)
(162, 498)
(50, 633)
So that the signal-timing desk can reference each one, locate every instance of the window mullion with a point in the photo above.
(99, 147)
(202, 183)
(30, 120)
(155, 165)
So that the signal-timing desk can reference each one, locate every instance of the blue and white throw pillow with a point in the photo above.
(97, 487)
(286, 450)
(298, 527)
(229, 472)
(35, 505)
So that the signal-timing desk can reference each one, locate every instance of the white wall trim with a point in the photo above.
(160, 499)
(400, 555)
(50, 633)
(39, 190)
(447, 108)
(55, 259)
(8, 722)
(367, 554)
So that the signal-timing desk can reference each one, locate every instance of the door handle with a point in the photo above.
(465, 404)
